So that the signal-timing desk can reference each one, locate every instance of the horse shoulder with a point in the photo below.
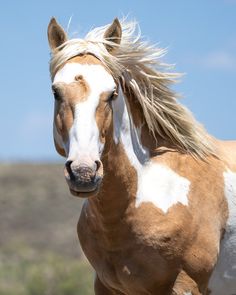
(192, 228)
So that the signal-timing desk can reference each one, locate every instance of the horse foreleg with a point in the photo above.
(184, 285)
(100, 289)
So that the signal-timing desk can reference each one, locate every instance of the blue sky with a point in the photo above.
(200, 36)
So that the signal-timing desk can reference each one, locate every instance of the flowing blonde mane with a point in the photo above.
(137, 65)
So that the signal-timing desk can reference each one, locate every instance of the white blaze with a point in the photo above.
(84, 134)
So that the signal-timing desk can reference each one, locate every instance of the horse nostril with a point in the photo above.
(98, 165)
(68, 164)
(69, 170)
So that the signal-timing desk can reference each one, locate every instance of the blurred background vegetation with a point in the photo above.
(40, 252)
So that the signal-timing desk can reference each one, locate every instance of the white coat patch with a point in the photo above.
(157, 183)
(223, 279)
(161, 186)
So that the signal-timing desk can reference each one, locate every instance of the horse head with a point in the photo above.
(83, 89)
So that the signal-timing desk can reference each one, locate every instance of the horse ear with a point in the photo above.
(56, 34)
(113, 34)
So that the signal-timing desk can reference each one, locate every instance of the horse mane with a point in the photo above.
(137, 65)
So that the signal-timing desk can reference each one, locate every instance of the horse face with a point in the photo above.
(82, 89)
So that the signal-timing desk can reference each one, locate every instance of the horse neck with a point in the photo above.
(123, 157)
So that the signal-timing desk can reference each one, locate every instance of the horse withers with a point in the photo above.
(160, 209)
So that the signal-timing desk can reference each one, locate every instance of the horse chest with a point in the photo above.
(135, 270)
(132, 274)
(131, 262)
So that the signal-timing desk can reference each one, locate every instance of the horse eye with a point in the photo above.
(56, 94)
(112, 96)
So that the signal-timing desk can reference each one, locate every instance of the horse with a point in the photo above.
(159, 215)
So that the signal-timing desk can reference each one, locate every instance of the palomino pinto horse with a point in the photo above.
(160, 213)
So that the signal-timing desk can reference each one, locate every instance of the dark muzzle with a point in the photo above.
(81, 178)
